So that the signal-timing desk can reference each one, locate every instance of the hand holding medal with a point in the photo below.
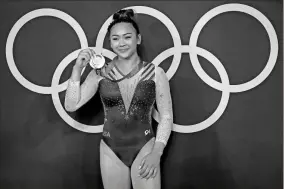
(97, 61)
(89, 56)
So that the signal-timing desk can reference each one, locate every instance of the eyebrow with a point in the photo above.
(118, 35)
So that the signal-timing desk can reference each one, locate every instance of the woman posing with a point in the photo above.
(128, 88)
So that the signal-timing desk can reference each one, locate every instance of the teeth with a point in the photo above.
(97, 61)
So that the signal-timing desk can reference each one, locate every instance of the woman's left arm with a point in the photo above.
(164, 103)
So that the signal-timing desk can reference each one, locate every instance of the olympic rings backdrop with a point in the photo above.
(224, 64)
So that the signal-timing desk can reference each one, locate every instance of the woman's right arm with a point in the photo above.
(77, 95)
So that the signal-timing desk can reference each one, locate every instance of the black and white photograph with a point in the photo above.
(141, 94)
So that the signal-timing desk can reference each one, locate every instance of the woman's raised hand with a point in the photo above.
(84, 57)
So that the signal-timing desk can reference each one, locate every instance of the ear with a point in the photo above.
(139, 39)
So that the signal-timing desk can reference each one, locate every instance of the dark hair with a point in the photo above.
(124, 15)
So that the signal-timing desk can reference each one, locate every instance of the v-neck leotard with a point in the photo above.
(128, 103)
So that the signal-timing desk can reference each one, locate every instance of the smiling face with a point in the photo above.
(124, 40)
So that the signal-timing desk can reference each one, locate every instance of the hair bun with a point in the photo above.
(124, 14)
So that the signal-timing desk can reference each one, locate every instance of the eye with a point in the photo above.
(128, 37)
(114, 39)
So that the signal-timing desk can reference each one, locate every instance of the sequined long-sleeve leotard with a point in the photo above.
(128, 101)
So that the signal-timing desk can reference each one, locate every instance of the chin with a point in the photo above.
(125, 55)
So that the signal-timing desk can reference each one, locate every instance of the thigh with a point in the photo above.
(115, 174)
(141, 183)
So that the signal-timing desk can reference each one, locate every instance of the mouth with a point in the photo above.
(122, 50)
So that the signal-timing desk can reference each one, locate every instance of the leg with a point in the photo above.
(115, 174)
(141, 183)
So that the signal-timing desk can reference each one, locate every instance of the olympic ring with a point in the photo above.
(273, 47)
(12, 35)
(176, 51)
(225, 93)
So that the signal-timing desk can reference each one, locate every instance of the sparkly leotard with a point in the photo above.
(128, 111)
(128, 101)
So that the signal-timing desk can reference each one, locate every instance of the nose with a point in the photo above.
(121, 42)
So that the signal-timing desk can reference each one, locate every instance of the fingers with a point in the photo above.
(155, 172)
(89, 51)
(143, 169)
(84, 57)
(150, 173)
(145, 172)
(142, 164)
(87, 54)
(148, 167)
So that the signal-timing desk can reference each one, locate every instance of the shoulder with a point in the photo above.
(160, 73)
(148, 71)
(154, 72)
(158, 70)
(149, 67)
